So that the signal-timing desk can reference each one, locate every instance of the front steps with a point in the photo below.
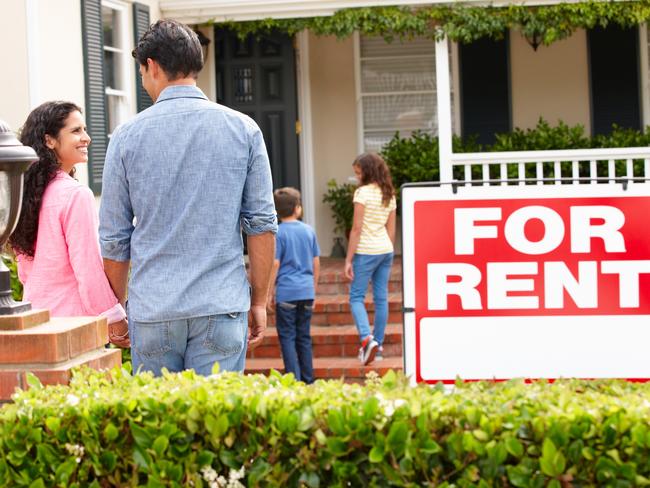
(335, 341)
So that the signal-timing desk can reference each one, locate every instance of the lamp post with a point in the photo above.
(15, 159)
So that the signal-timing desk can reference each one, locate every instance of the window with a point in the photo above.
(116, 64)
(107, 39)
(396, 89)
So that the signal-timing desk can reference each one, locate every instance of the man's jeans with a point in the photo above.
(367, 267)
(195, 343)
(293, 323)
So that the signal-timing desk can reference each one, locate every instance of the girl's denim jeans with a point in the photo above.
(375, 268)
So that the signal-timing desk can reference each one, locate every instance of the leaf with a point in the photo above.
(514, 447)
(160, 444)
(33, 381)
(335, 422)
(111, 432)
(53, 424)
(376, 455)
(397, 436)
(140, 435)
(215, 367)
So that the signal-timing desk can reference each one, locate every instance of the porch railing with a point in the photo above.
(574, 166)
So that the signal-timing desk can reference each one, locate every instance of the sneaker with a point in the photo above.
(368, 350)
(379, 355)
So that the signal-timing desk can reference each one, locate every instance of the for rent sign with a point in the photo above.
(533, 282)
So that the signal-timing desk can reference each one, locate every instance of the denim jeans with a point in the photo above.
(293, 323)
(195, 343)
(375, 268)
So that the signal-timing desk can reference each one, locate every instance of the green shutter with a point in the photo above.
(140, 26)
(93, 44)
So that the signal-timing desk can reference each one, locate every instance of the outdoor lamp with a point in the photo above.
(14, 161)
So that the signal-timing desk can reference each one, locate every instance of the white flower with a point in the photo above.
(72, 400)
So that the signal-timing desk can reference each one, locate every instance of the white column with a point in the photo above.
(445, 123)
(33, 53)
(305, 137)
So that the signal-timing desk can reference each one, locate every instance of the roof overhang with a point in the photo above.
(202, 11)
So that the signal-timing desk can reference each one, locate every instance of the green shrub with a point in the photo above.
(339, 198)
(16, 285)
(184, 430)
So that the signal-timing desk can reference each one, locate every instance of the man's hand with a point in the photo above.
(118, 334)
(258, 326)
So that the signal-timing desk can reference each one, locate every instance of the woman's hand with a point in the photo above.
(348, 271)
(118, 334)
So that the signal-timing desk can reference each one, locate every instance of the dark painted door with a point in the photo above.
(257, 76)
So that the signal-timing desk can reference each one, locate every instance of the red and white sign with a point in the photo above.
(532, 282)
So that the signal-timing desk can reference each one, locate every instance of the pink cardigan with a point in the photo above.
(66, 274)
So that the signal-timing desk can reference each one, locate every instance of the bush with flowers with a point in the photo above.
(232, 430)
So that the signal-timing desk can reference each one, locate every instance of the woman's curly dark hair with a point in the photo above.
(48, 118)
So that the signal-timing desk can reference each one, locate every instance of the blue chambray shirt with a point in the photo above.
(192, 173)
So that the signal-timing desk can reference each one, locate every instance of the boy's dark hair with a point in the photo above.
(174, 46)
(286, 200)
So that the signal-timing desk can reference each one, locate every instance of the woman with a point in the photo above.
(55, 241)
(370, 250)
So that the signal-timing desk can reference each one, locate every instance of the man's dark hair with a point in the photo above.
(286, 201)
(174, 46)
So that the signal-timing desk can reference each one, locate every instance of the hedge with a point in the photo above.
(233, 430)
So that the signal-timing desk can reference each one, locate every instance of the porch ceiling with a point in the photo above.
(201, 11)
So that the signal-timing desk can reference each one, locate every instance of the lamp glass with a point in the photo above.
(5, 202)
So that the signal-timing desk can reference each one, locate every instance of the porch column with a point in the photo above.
(443, 92)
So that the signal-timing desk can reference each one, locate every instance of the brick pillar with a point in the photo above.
(50, 348)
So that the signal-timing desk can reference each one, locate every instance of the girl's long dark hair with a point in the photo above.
(375, 170)
(48, 118)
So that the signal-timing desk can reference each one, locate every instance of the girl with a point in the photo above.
(56, 241)
(370, 250)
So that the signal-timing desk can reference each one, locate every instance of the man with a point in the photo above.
(181, 180)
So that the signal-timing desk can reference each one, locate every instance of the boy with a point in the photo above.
(296, 266)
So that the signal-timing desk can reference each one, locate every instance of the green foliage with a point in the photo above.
(16, 285)
(415, 159)
(183, 429)
(463, 23)
(339, 198)
(412, 159)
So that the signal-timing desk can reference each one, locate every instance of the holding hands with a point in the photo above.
(118, 334)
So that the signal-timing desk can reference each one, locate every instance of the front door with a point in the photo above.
(257, 76)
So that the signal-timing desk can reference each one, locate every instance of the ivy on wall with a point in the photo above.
(543, 23)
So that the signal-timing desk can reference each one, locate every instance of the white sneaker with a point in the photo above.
(368, 350)
(379, 356)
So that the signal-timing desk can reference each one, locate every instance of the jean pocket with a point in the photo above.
(151, 339)
(226, 333)
(287, 305)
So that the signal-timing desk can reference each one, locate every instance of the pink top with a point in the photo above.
(66, 274)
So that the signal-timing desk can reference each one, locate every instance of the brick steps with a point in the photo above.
(330, 367)
(335, 342)
(330, 341)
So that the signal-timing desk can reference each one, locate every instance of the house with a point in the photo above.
(321, 100)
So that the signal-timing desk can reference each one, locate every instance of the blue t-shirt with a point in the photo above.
(296, 247)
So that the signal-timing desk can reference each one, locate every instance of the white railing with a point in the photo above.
(562, 166)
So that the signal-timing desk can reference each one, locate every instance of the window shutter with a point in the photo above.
(485, 88)
(614, 70)
(93, 44)
(140, 26)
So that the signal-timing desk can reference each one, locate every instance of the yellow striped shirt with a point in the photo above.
(374, 237)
